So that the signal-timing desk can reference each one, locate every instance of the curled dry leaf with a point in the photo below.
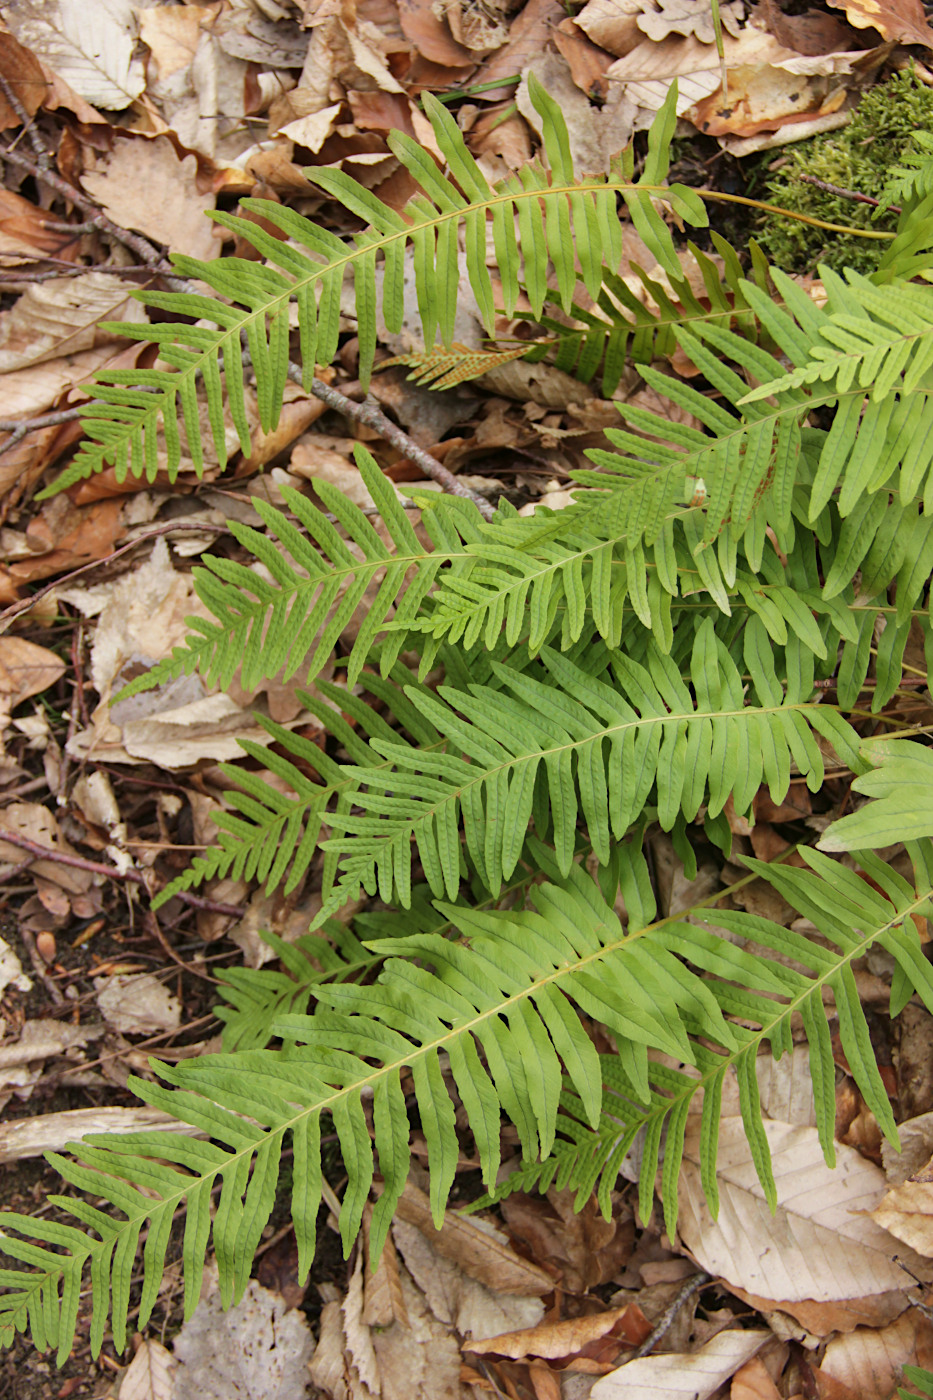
(553, 1340)
(901, 21)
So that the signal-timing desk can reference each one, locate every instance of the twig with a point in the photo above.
(143, 249)
(692, 1285)
(846, 194)
(373, 417)
(45, 420)
(25, 604)
(40, 967)
(133, 877)
(29, 128)
(152, 924)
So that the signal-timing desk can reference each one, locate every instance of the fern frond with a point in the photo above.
(443, 369)
(901, 782)
(567, 221)
(557, 741)
(504, 1007)
(923, 1380)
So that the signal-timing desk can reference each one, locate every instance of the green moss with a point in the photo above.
(860, 157)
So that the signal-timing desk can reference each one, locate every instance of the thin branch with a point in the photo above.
(373, 417)
(25, 604)
(842, 193)
(132, 877)
(29, 127)
(692, 1285)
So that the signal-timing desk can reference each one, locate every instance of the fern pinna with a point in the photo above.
(522, 700)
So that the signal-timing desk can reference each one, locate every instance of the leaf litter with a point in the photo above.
(147, 116)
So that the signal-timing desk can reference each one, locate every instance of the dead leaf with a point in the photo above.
(765, 98)
(150, 1375)
(662, 17)
(37, 823)
(92, 46)
(137, 1005)
(821, 1246)
(694, 1376)
(11, 970)
(870, 1361)
(62, 316)
(586, 1248)
(586, 62)
(752, 1382)
(529, 33)
(810, 33)
(612, 24)
(171, 34)
(554, 1340)
(23, 71)
(901, 21)
(25, 669)
(907, 1212)
(256, 1350)
(425, 28)
(145, 185)
(475, 1246)
(595, 135)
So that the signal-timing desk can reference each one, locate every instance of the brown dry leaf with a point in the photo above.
(764, 99)
(64, 536)
(33, 390)
(25, 669)
(753, 1382)
(586, 1248)
(612, 24)
(869, 1361)
(692, 1376)
(554, 1340)
(92, 46)
(62, 317)
(145, 185)
(424, 26)
(315, 462)
(821, 1246)
(479, 28)
(23, 72)
(901, 21)
(475, 1246)
(24, 234)
(810, 33)
(587, 63)
(171, 34)
(913, 1160)
(529, 34)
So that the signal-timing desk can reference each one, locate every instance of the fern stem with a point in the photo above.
(790, 214)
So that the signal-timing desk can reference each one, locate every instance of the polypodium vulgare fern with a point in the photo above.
(704, 619)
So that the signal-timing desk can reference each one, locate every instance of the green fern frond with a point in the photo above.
(557, 742)
(504, 1007)
(901, 782)
(923, 1380)
(568, 222)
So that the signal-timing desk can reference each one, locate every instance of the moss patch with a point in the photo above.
(859, 157)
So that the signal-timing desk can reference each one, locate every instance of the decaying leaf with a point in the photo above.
(62, 317)
(145, 185)
(150, 1375)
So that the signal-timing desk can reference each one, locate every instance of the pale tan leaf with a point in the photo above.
(51, 1132)
(611, 24)
(596, 135)
(136, 1005)
(32, 390)
(149, 1375)
(145, 185)
(907, 1212)
(25, 669)
(38, 824)
(313, 130)
(171, 33)
(62, 316)
(91, 43)
(478, 1248)
(869, 1360)
(693, 1376)
(821, 1245)
(358, 1342)
(662, 17)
